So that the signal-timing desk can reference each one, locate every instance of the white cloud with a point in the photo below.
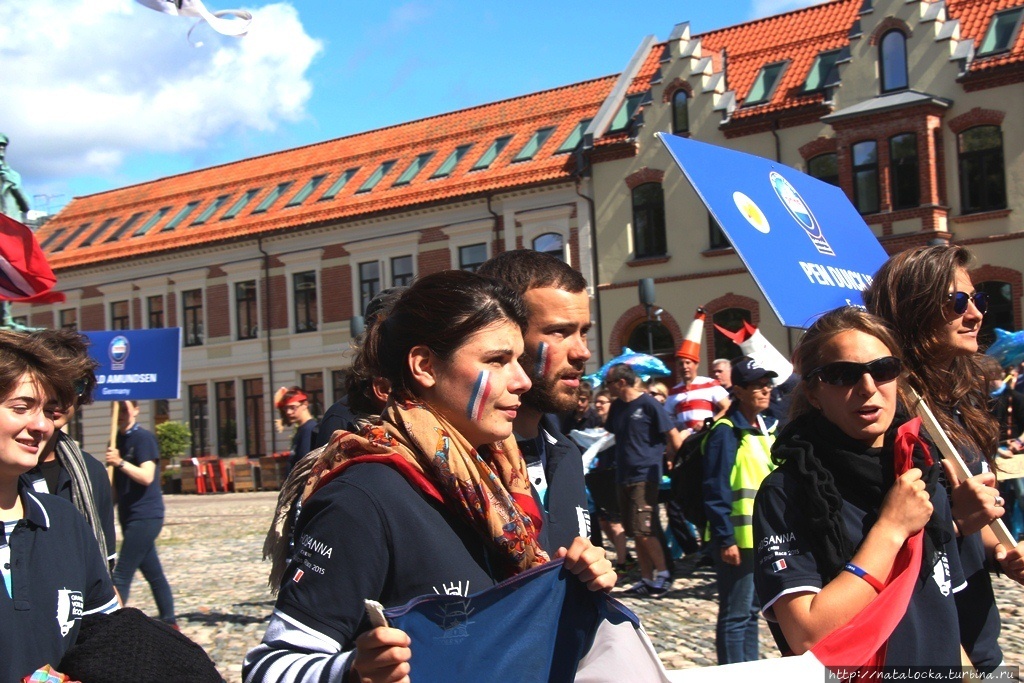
(766, 8)
(84, 84)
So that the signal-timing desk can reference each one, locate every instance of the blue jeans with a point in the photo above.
(138, 551)
(738, 609)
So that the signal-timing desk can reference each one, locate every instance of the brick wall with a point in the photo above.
(41, 318)
(218, 314)
(92, 317)
(278, 302)
(433, 261)
(336, 285)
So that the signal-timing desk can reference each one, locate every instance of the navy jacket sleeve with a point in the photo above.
(719, 458)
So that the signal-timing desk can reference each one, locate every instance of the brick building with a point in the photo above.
(264, 262)
(905, 104)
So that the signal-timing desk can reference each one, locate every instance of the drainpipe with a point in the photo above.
(593, 251)
(496, 217)
(267, 329)
(778, 143)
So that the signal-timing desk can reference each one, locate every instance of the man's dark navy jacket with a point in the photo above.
(568, 516)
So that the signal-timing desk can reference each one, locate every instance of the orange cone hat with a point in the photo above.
(691, 344)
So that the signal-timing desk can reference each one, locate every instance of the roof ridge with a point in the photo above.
(354, 135)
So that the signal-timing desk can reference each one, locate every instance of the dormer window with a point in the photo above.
(822, 72)
(534, 144)
(892, 58)
(625, 114)
(415, 167)
(764, 84)
(1002, 32)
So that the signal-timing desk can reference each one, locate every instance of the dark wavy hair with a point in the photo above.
(22, 354)
(72, 345)
(910, 292)
(440, 311)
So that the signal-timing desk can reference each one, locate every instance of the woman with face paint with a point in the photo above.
(927, 296)
(435, 499)
(837, 522)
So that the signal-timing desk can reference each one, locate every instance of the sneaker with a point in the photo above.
(646, 589)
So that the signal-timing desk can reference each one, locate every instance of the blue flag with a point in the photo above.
(541, 626)
(802, 240)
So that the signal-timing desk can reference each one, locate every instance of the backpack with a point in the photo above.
(687, 476)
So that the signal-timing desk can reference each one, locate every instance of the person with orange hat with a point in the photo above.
(695, 398)
(293, 403)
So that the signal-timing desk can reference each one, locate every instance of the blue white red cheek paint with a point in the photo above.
(541, 367)
(478, 398)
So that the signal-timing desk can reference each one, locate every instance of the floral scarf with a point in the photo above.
(490, 490)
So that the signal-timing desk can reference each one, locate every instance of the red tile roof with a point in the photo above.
(797, 36)
(801, 35)
(519, 117)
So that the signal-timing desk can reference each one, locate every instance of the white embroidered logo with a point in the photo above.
(69, 609)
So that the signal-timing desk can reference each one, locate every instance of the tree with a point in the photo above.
(173, 438)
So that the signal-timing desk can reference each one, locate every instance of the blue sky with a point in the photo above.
(98, 94)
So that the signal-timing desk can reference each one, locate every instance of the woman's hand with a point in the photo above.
(974, 501)
(1012, 563)
(589, 564)
(906, 508)
(382, 656)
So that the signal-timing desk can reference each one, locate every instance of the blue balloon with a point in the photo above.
(1008, 348)
(645, 365)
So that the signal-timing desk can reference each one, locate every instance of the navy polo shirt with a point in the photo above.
(135, 501)
(57, 575)
(639, 427)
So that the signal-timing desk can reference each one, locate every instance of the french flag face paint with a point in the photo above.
(543, 364)
(478, 399)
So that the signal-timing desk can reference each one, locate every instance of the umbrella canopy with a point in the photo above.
(645, 365)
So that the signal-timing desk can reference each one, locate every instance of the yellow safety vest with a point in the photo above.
(753, 464)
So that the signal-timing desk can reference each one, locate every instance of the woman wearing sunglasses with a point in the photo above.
(434, 499)
(927, 296)
(830, 520)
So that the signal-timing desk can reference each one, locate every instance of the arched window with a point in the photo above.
(651, 336)
(906, 183)
(550, 243)
(825, 167)
(649, 220)
(892, 58)
(865, 176)
(982, 177)
(1000, 310)
(680, 112)
(731, 319)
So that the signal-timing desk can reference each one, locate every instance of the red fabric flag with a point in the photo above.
(24, 273)
(862, 640)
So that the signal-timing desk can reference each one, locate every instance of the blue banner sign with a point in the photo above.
(136, 364)
(801, 239)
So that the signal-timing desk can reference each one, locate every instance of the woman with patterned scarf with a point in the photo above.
(434, 499)
(837, 524)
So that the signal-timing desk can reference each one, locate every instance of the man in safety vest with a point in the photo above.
(737, 457)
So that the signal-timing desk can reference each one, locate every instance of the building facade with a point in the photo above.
(907, 105)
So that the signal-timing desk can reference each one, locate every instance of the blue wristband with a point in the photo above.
(871, 581)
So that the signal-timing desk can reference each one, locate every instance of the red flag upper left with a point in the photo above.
(24, 273)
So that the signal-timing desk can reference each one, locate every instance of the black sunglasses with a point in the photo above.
(960, 300)
(847, 373)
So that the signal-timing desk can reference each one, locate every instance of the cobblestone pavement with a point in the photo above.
(211, 548)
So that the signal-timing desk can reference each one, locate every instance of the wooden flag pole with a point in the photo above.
(114, 410)
(949, 452)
